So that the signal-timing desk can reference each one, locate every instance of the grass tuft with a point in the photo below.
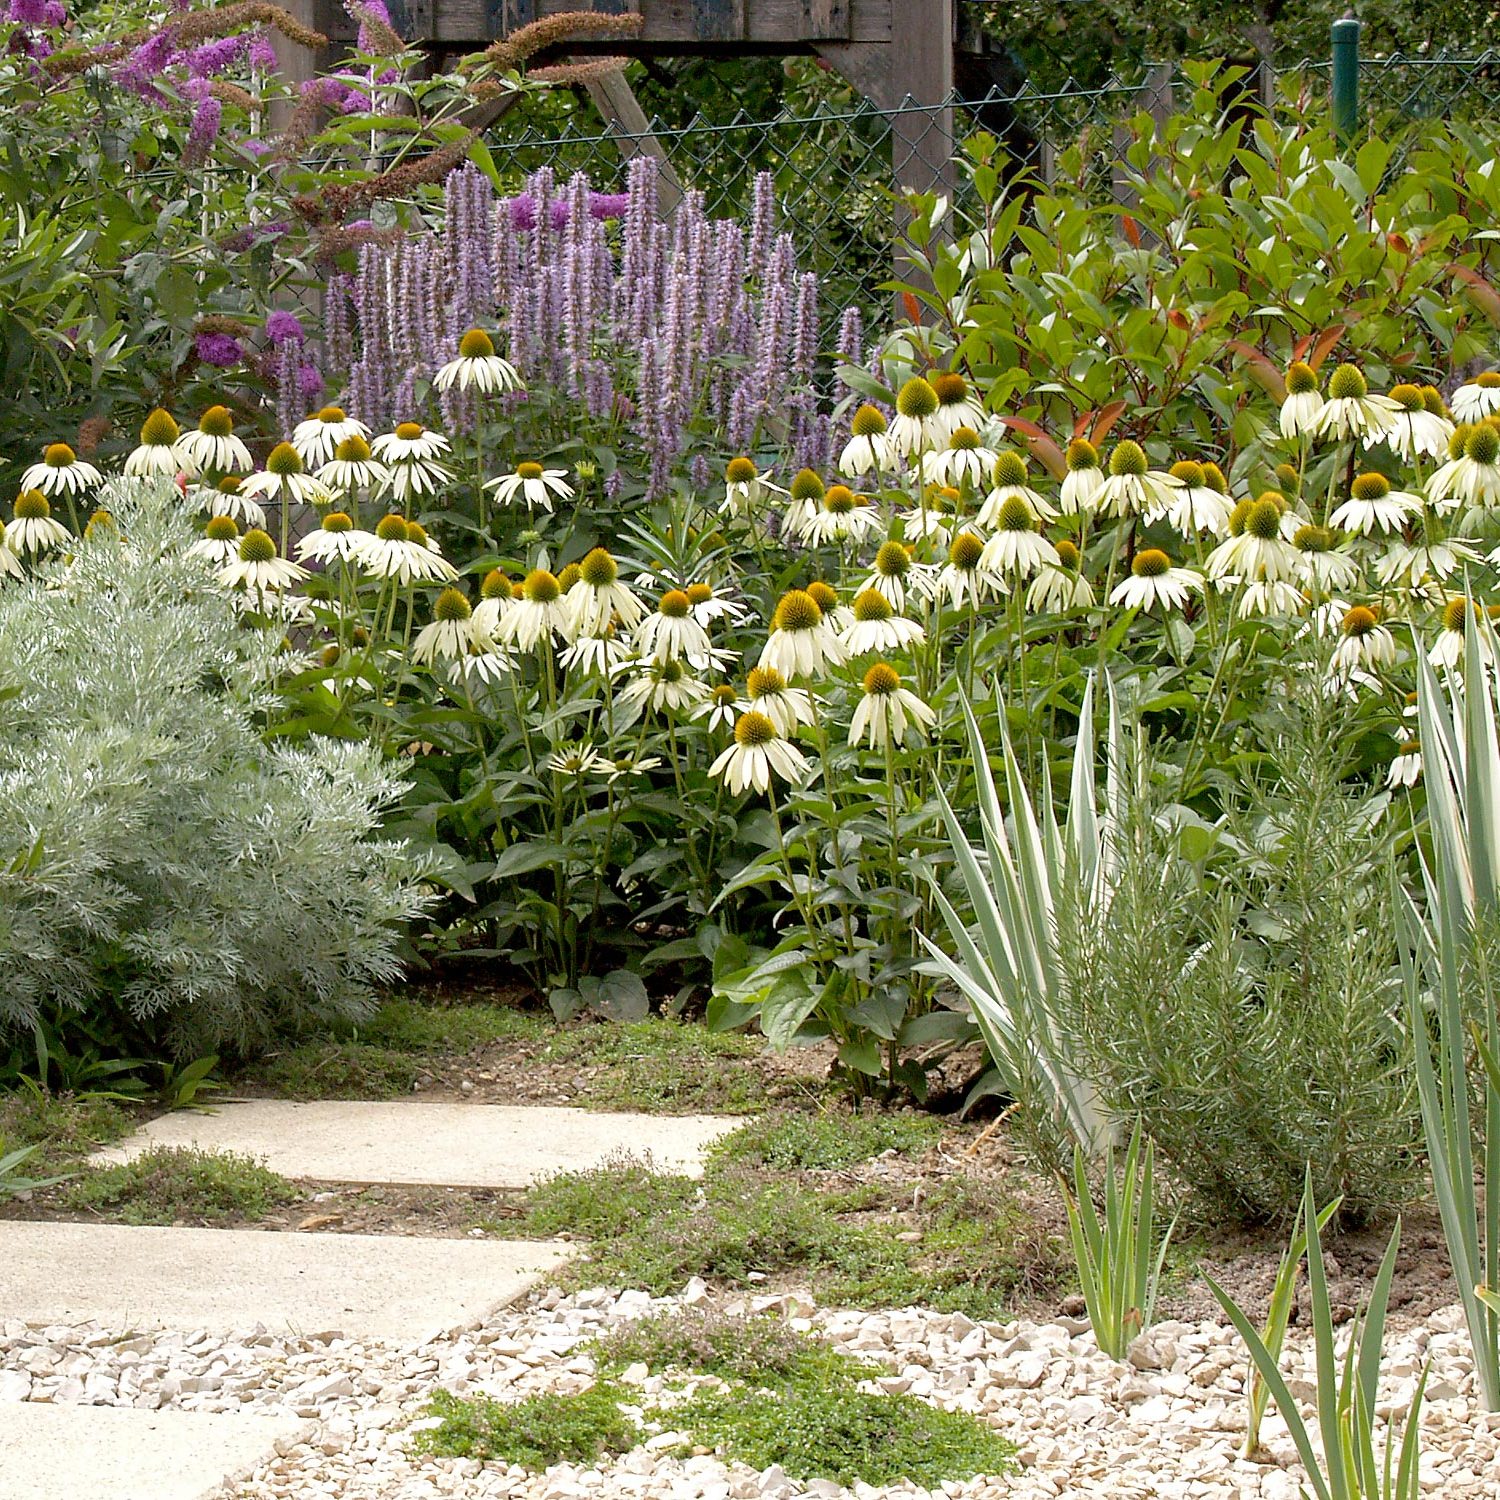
(538, 1431)
(166, 1185)
(824, 1142)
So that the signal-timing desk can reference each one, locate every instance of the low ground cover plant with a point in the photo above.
(172, 1185)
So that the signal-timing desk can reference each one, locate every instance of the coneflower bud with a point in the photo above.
(1301, 379)
(393, 528)
(223, 529)
(805, 485)
(882, 679)
(451, 606)
(740, 471)
(475, 344)
(892, 560)
(284, 460)
(1189, 472)
(869, 421)
(916, 398)
(1082, 454)
(159, 430)
(1287, 477)
(1010, 468)
(797, 610)
(598, 569)
(1347, 383)
(1127, 458)
(823, 596)
(541, 587)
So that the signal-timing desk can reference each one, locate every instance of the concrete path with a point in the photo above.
(52, 1452)
(392, 1288)
(447, 1145)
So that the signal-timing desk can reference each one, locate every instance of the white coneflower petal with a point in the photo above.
(61, 472)
(1476, 399)
(212, 448)
(758, 755)
(477, 367)
(533, 484)
(317, 439)
(157, 455)
(801, 644)
(886, 711)
(1153, 580)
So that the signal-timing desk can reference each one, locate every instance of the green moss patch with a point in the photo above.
(167, 1186)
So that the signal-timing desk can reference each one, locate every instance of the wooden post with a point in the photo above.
(922, 69)
(615, 100)
(295, 63)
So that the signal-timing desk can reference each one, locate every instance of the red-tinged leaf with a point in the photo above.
(1483, 292)
(1299, 349)
(1105, 420)
(1399, 243)
(1081, 423)
(1324, 347)
(1263, 369)
(1042, 447)
(912, 306)
(1132, 231)
(1179, 319)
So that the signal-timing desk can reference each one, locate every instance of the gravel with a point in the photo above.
(1166, 1425)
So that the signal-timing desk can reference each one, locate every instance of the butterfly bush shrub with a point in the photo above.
(157, 859)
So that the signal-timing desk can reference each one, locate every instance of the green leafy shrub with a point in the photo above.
(538, 1431)
(158, 863)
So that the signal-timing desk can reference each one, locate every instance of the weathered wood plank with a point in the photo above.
(772, 25)
(616, 102)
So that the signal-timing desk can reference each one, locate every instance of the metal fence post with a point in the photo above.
(1345, 78)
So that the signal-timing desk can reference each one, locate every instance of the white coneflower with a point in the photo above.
(804, 501)
(337, 539)
(223, 498)
(533, 484)
(1448, 651)
(720, 708)
(709, 605)
(1406, 767)
(842, 516)
(869, 449)
(1411, 567)
(956, 407)
(1132, 487)
(220, 542)
(1351, 410)
(1473, 478)
(838, 616)
(757, 755)
(413, 455)
(964, 461)
(477, 366)
(1008, 477)
(1302, 410)
(887, 711)
(801, 643)
(258, 569)
(1365, 644)
(61, 472)
(33, 529)
(1415, 432)
(537, 615)
(745, 487)
(598, 597)
(1017, 546)
(664, 686)
(914, 428)
(672, 634)
(211, 447)
(317, 439)
(892, 568)
(1083, 481)
(1374, 506)
(966, 579)
(933, 517)
(601, 655)
(284, 478)
(10, 564)
(1270, 598)
(1153, 580)
(450, 636)
(1320, 564)
(1477, 399)
(578, 760)
(353, 468)
(1256, 549)
(1063, 588)
(788, 708)
(1197, 506)
(158, 453)
(399, 549)
(877, 627)
(495, 598)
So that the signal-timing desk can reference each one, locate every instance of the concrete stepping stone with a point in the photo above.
(392, 1288)
(129, 1454)
(436, 1145)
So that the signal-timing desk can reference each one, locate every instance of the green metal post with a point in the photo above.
(1346, 78)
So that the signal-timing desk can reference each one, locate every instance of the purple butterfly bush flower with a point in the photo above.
(310, 382)
(220, 349)
(203, 131)
(46, 13)
(139, 70)
(215, 57)
(261, 53)
(608, 205)
(283, 327)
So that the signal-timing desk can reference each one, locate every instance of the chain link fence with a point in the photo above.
(834, 169)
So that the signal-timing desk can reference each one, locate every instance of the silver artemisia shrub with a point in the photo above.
(158, 862)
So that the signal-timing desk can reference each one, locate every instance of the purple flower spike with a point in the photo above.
(218, 349)
(282, 326)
